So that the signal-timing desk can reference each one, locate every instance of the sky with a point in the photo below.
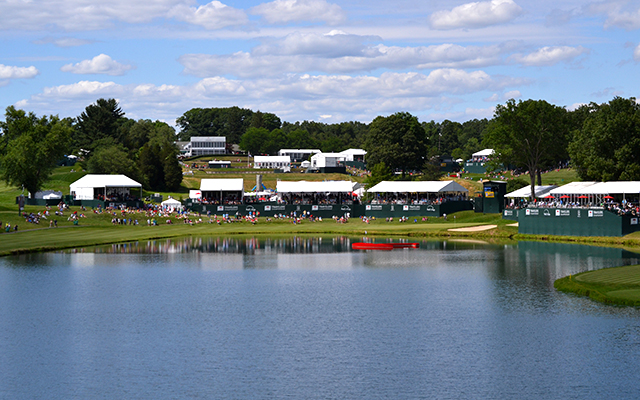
(316, 60)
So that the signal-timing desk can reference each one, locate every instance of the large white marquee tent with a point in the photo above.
(94, 186)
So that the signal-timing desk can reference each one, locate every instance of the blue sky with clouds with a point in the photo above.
(320, 60)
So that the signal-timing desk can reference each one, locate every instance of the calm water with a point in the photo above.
(310, 319)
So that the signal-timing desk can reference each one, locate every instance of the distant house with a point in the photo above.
(297, 155)
(206, 145)
(272, 162)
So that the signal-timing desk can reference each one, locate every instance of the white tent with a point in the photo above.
(315, 187)
(171, 204)
(93, 186)
(418, 187)
(572, 188)
(222, 190)
(541, 191)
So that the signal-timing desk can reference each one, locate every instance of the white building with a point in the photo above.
(482, 155)
(298, 154)
(272, 162)
(354, 155)
(206, 145)
(327, 160)
(105, 187)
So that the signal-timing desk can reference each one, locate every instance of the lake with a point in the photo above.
(308, 318)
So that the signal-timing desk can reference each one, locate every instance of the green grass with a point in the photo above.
(620, 286)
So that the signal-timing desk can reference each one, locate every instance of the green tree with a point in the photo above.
(229, 122)
(608, 145)
(30, 147)
(254, 140)
(99, 121)
(399, 141)
(380, 172)
(158, 158)
(529, 134)
(112, 159)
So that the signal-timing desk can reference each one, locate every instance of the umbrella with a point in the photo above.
(583, 197)
(564, 196)
(549, 196)
(608, 197)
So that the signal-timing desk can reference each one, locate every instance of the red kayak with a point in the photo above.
(383, 246)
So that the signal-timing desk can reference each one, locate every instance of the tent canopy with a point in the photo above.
(315, 187)
(222, 185)
(594, 188)
(483, 153)
(417, 187)
(541, 191)
(104, 181)
(171, 203)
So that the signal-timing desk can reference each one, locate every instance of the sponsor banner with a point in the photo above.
(267, 208)
(532, 211)
(373, 207)
(563, 213)
(596, 213)
(321, 208)
(489, 195)
(508, 213)
(227, 208)
(276, 208)
(634, 221)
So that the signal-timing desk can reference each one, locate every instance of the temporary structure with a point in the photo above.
(93, 186)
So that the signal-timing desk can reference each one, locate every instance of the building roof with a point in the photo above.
(315, 187)
(104, 181)
(417, 187)
(541, 191)
(483, 153)
(299, 151)
(208, 138)
(614, 187)
(272, 159)
(572, 188)
(355, 152)
(328, 155)
(222, 185)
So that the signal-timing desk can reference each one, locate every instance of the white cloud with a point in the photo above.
(340, 53)
(64, 41)
(629, 20)
(293, 97)
(214, 15)
(636, 53)
(476, 15)
(285, 11)
(83, 15)
(11, 72)
(100, 64)
(547, 56)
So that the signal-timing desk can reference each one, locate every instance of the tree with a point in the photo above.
(99, 121)
(530, 135)
(31, 146)
(380, 172)
(229, 122)
(608, 145)
(158, 158)
(254, 139)
(399, 141)
(112, 159)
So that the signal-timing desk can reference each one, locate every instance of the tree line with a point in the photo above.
(601, 140)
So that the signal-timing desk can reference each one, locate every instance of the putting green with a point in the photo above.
(619, 285)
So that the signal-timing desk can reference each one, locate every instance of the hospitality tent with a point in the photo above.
(433, 190)
(306, 192)
(418, 187)
(540, 191)
(104, 187)
(222, 190)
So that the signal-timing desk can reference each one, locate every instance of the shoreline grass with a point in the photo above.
(616, 286)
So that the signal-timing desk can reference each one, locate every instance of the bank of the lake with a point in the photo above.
(97, 228)
(620, 286)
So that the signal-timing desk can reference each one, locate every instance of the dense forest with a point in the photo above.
(602, 141)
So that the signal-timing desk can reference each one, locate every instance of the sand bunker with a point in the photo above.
(473, 228)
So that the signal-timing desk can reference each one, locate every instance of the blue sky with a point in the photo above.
(317, 60)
